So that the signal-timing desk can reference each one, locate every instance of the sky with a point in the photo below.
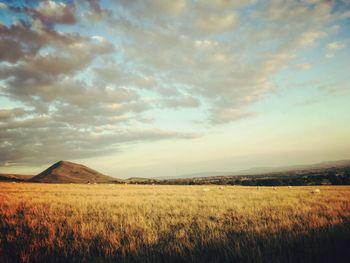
(150, 88)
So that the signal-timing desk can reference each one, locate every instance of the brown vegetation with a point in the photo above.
(145, 223)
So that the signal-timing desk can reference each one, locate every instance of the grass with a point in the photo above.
(154, 223)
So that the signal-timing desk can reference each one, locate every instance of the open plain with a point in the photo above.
(160, 223)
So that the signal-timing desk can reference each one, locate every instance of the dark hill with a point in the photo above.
(68, 172)
(15, 177)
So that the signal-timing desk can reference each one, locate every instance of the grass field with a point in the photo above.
(146, 223)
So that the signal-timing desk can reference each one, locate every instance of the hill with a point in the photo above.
(15, 177)
(265, 170)
(315, 176)
(297, 168)
(68, 172)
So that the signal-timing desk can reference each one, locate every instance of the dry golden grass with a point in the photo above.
(153, 223)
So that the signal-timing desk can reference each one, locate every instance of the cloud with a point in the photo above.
(335, 46)
(304, 66)
(309, 38)
(70, 58)
(227, 115)
(13, 50)
(8, 114)
(213, 55)
(87, 73)
(224, 4)
(184, 102)
(23, 39)
(95, 6)
(42, 61)
(92, 11)
(65, 114)
(51, 12)
(3, 6)
(27, 141)
(151, 9)
(215, 23)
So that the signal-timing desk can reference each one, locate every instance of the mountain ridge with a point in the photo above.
(263, 170)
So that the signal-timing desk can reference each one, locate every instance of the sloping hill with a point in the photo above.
(295, 168)
(15, 177)
(68, 172)
(265, 170)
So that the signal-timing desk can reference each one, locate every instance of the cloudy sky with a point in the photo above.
(160, 88)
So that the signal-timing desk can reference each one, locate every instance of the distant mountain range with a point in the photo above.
(68, 172)
(264, 170)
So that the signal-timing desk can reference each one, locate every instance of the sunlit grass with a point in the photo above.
(153, 223)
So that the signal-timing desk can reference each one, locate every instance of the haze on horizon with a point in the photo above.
(159, 88)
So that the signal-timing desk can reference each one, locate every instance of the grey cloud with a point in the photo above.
(95, 5)
(68, 117)
(81, 102)
(13, 50)
(224, 4)
(70, 58)
(222, 116)
(7, 114)
(211, 23)
(29, 40)
(112, 73)
(95, 12)
(28, 141)
(230, 74)
(80, 94)
(182, 102)
(50, 12)
(154, 9)
(41, 73)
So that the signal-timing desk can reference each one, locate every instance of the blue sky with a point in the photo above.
(151, 88)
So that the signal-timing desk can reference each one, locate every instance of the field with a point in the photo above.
(159, 223)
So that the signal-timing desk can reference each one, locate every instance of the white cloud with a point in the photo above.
(224, 4)
(154, 9)
(12, 113)
(304, 66)
(3, 6)
(215, 23)
(335, 45)
(50, 12)
(51, 8)
(309, 38)
(27, 141)
(332, 48)
(90, 89)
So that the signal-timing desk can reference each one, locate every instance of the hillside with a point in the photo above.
(326, 173)
(315, 176)
(266, 170)
(68, 172)
(297, 168)
(15, 177)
